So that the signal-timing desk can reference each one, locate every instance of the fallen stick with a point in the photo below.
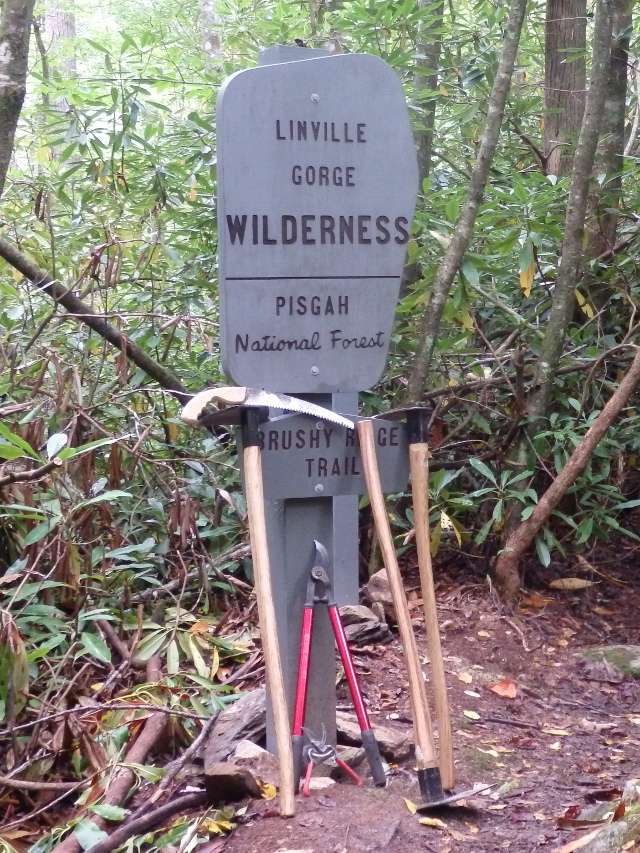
(176, 766)
(124, 777)
(140, 825)
(508, 563)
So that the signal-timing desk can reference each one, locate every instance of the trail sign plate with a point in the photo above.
(303, 458)
(317, 181)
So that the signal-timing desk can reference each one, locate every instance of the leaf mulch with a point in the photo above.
(556, 733)
(570, 736)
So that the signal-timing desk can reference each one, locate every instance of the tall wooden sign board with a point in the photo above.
(317, 181)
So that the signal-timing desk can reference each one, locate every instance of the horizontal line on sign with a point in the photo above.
(303, 277)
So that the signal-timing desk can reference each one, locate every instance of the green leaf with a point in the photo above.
(74, 452)
(19, 442)
(9, 451)
(543, 551)
(93, 645)
(88, 833)
(106, 496)
(40, 531)
(482, 468)
(173, 658)
(108, 812)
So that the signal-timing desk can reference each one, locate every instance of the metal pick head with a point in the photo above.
(403, 414)
(454, 798)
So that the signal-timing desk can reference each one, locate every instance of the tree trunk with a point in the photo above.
(15, 25)
(508, 581)
(606, 193)
(210, 21)
(165, 377)
(429, 48)
(464, 227)
(58, 28)
(425, 86)
(565, 80)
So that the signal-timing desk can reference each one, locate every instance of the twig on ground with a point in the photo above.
(143, 824)
(176, 766)
(105, 706)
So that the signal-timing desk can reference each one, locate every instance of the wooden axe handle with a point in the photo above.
(419, 462)
(231, 396)
(425, 749)
(268, 626)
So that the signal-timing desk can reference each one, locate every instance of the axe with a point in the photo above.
(417, 425)
(429, 777)
(248, 408)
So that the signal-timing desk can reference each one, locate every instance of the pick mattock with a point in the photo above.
(249, 413)
(428, 771)
(417, 425)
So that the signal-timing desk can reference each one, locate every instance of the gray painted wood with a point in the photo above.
(317, 182)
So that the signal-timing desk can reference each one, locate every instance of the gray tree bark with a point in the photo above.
(15, 26)
(463, 232)
(574, 224)
(609, 159)
(565, 81)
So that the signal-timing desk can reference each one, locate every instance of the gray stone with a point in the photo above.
(244, 719)
(377, 591)
(367, 633)
(354, 614)
(249, 750)
(351, 755)
(263, 764)
(228, 783)
(394, 744)
(623, 659)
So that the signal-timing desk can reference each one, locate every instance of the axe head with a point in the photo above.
(418, 420)
(240, 398)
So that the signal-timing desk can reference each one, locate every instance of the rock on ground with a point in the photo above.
(244, 719)
(394, 744)
(377, 592)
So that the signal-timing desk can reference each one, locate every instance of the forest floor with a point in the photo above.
(569, 738)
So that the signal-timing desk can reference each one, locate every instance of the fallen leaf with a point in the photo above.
(459, 836)
(465, 677)
(505, 688)
(491, 752)
(557, 732)
(268, 790)
(562, 643)
(635, 720)
(433, 821)
(472, 715)
(484, 634)
(413, 808)
(537, 600)
(570, 583)
(497, 807)
(540, 816)
(603, 611)
(579, 842)
(477, 695)
(472, 828)
(619, 812)
(556, 745)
